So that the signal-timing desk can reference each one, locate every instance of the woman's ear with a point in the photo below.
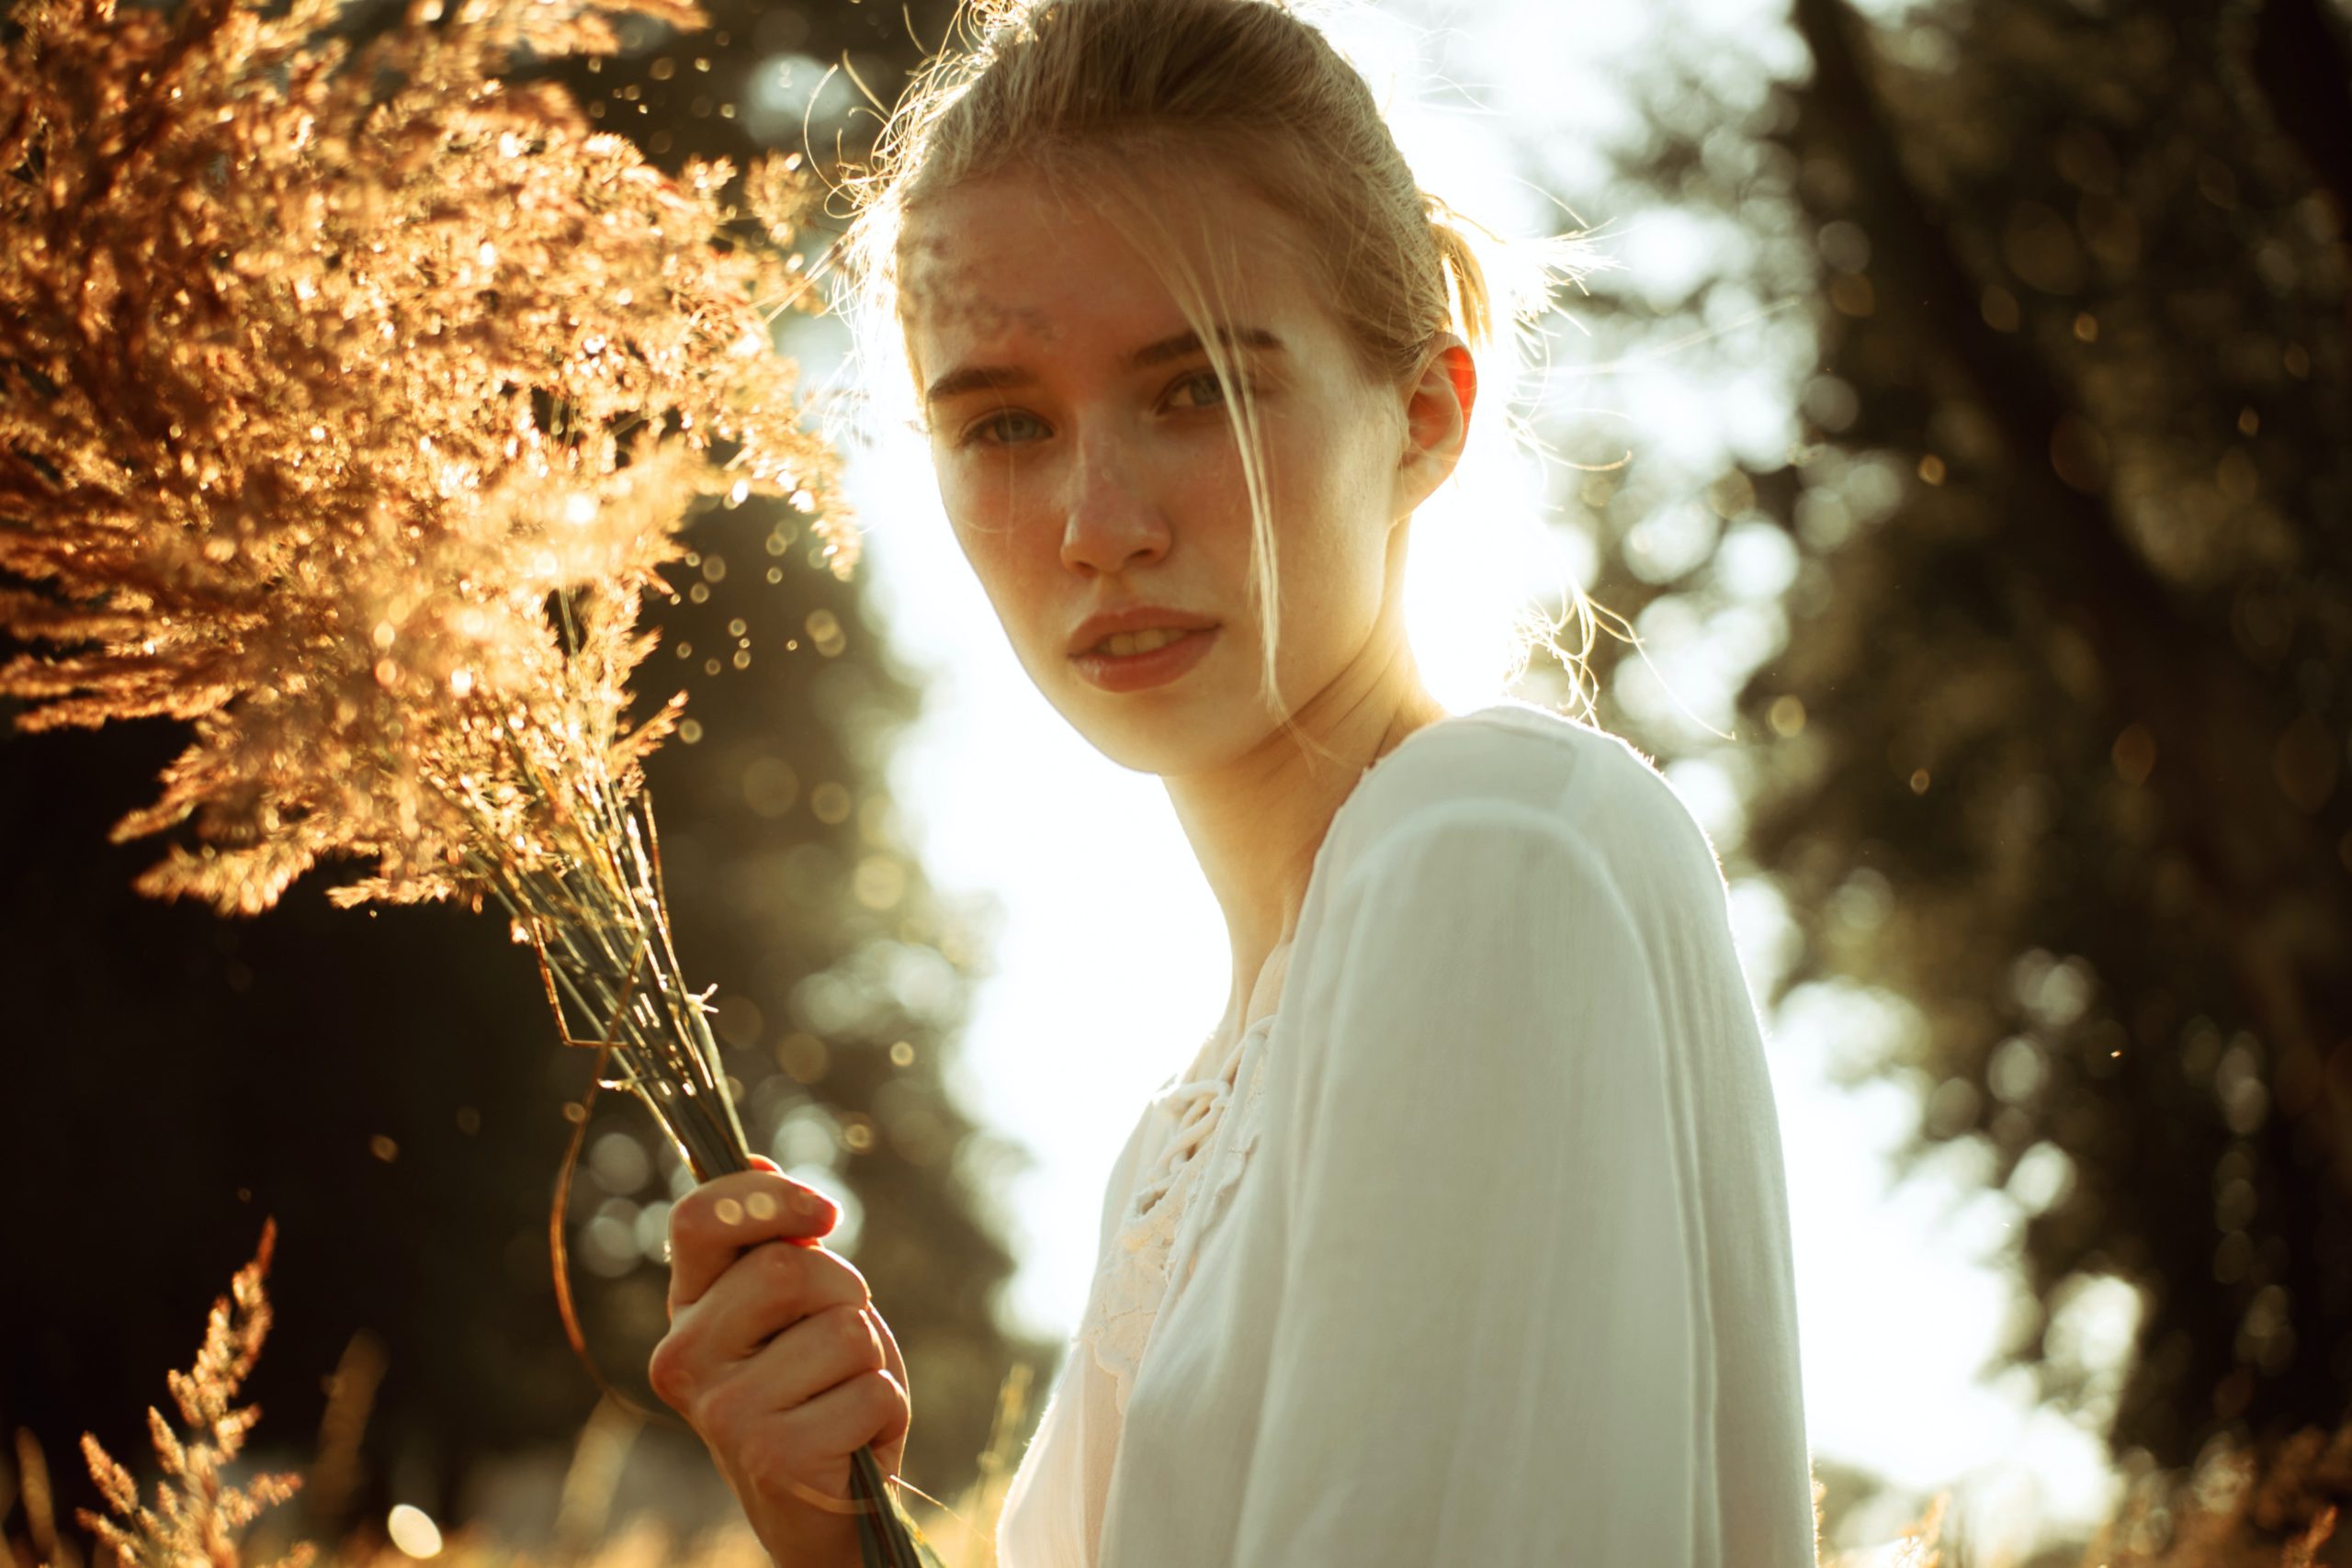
(1437, 419)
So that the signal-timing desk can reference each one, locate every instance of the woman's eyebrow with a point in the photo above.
(977, 377)
(1187, 342)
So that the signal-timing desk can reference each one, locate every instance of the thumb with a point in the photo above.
(762, 1162)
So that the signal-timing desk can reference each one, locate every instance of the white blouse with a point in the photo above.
(1475, 1251)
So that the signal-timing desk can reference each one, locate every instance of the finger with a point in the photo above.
(821, 1352)
(869, 1410)
(721, 1219)
(770, 1288)
(889, 1343)
(889, 1447)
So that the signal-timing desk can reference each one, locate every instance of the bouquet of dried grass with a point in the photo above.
(350, 400)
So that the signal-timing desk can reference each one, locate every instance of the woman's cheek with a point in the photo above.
(1016, 569)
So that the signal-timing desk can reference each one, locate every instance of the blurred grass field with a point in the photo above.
(211, 1507)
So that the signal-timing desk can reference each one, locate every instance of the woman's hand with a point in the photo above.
(778, 1361)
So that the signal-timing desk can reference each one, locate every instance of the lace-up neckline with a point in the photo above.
(1153, 1249)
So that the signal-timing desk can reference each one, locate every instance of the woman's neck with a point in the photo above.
(1256, 824)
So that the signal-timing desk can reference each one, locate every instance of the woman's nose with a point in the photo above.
(1110, 516)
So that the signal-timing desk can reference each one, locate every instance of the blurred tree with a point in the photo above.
(387, 1083)
(2061, 723)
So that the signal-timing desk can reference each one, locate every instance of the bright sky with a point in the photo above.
(1110, 956)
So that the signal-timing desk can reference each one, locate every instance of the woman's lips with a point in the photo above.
(1139, 672)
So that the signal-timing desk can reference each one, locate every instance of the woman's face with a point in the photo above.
(1087, 464)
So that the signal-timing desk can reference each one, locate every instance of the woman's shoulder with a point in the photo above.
(1513, 767)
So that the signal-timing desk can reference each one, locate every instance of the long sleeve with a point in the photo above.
(1492, 1343)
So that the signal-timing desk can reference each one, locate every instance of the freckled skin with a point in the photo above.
(938, 287)
(1113, 484)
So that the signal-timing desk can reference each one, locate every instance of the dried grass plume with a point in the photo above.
(198, 1518)
(333, 385)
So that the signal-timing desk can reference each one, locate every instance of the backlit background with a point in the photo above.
(1961, 423)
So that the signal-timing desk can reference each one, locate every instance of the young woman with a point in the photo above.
(1464, 1239)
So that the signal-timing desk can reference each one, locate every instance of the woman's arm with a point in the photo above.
(1491, 1343)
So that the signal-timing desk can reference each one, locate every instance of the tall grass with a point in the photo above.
(2274, 1505)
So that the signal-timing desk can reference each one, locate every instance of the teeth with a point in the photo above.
(1123, 643)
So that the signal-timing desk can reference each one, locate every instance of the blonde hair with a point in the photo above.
(1112, 96)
